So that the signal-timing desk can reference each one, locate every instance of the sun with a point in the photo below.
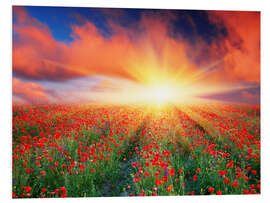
(162, 94)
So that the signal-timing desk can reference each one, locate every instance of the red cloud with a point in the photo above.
(29, 91)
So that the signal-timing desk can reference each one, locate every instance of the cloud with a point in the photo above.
(105, 85)
(128, 53)
(238, 44)
(36, 54)
(147, 50)
(248, 95)
(29, 92)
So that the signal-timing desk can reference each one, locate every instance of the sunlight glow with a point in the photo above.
(159, 90)
(162, 94)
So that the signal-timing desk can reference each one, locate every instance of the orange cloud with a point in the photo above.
(241, 45)
(35, 51)
(149, 52)
(106, 85)
(144, 52)
(29, 91)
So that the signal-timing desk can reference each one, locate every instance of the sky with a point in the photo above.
(82, 55)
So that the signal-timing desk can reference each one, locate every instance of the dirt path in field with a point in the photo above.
(124, 186)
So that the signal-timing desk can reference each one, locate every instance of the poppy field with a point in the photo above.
(124, 150)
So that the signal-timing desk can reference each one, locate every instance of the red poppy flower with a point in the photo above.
(157, 182)
(146, 174)
(63, 189)
(169, 188)
(210, 189)
(235, 184)
(227, 180)
(219, 192)
(172, 172)
(195, 177)
(43, 190)
(28, 189)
